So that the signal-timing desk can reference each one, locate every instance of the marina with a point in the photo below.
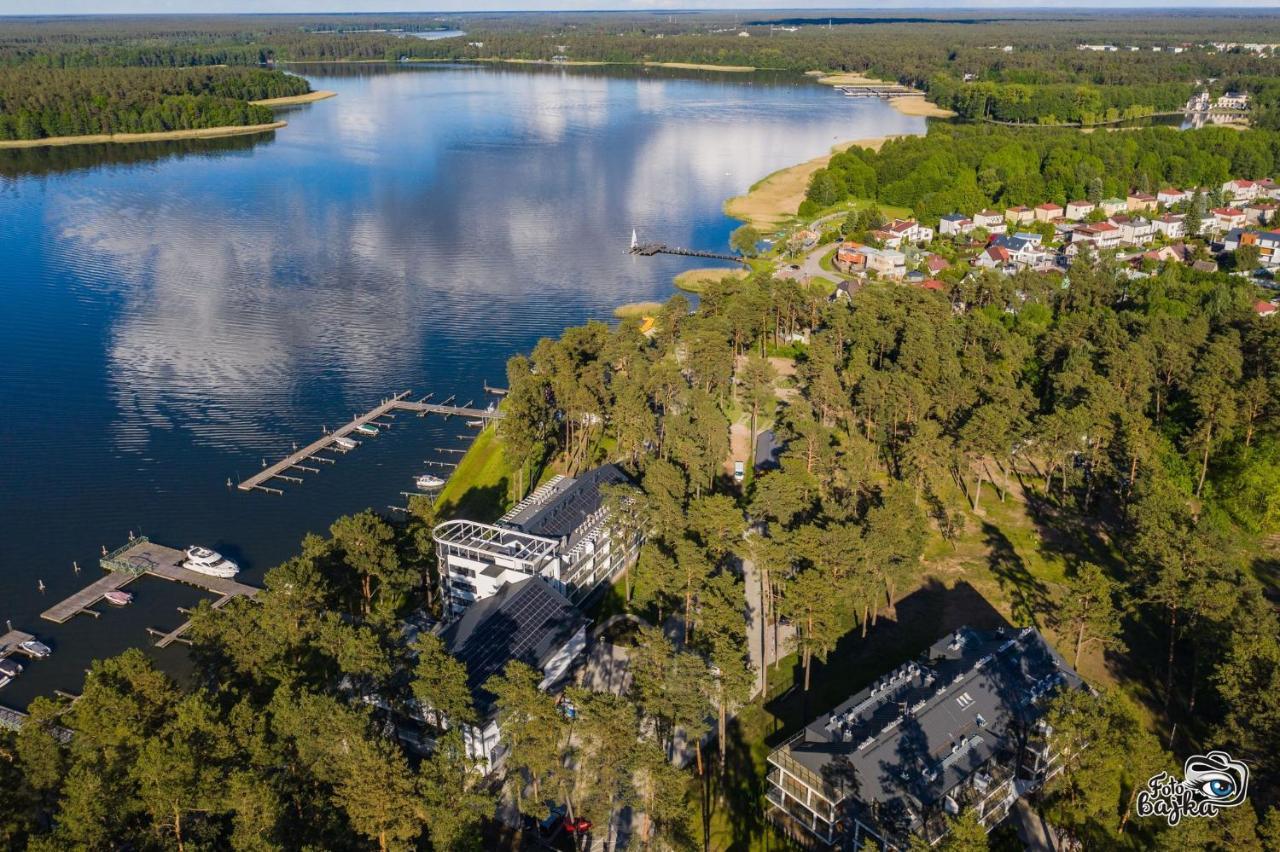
(126, 564)
(361, 424)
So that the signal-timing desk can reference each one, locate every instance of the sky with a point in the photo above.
(107, 7)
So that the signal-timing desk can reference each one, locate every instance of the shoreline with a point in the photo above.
(125, 138)
(290, 100)
(915, 104)
(776, 197)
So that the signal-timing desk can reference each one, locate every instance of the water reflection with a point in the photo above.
(184, 317)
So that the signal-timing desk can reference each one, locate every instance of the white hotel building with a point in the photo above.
(560, 532)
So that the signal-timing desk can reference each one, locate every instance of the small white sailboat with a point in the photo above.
(428, 482)
(202, 560)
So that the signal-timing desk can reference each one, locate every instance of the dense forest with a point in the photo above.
(964, 168)
(1133, 421)
(960, 60)
(38, 102)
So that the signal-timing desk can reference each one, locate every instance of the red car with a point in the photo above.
(578, 825)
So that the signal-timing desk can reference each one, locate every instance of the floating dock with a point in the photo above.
(10, 641)
(128, 563)
(399, 402)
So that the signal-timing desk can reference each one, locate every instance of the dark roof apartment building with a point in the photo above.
(959, 728)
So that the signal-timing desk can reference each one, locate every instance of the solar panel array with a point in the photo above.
(530, 622)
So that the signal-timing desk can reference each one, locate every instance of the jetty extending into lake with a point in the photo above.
(330, 440)
(650, 249)
(126, 564)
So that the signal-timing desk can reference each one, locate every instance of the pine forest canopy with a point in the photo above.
(41, 102)
(964, 168)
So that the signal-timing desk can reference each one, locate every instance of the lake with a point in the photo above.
(176, 313)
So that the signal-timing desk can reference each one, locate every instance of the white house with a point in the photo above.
(1226, 218)
(991, 221)
(1112, 206)
(904, 230)
(1134, 230)
(1172, 195)
(1019, 215)
(1077, 210)
(955, 224)
(1023, 250)
(1100, 235)
(1240, 190)
(1170, 225)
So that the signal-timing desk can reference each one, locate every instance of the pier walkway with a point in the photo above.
(650, 249)
(128, 563)
(10, 641)
(399, 402)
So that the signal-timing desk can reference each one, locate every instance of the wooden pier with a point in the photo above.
(650, 249)
(13, 719)
(399, 402)
(126, 564)
(10, 641)
(65, 610)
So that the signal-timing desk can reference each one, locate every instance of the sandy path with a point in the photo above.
(295, 99)
(169, 135)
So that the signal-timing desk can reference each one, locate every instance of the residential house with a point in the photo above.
(1100, 235)
(1134, 230)
(962, 728)
(1268, 188)
(1171, 195)
(1023, 252)
(935, 263)
(1048, 211)
(1176, 252)
(934, 284)
(993, 257)
(1112, 206)
(1020, 215)
(529, 621)
(560, 532)
(991, 221)
(1078, 210)
(1142, 201)
(1170, 225)
(1264, 309)
(1240, 190)
(805, 238)
(1260, 212)
(955, 224)
(899, 231)
(855, 257)
(1268, 243)
(1233, 100)
(1225, 218)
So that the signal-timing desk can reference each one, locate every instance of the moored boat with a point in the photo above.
(35, 648)
(475, 424)
(202, 560)
(427, 482)
(10, 668)
(367, 429)
(345, 443)
(118, 597)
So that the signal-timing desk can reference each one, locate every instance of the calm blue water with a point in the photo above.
(174, 314)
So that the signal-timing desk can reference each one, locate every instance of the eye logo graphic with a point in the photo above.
(1210, 782)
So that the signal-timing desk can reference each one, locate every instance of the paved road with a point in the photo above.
(764, 641)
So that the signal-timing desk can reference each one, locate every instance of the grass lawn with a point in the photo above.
(694, 280)
(480, 486)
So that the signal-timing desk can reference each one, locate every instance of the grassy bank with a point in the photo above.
(309, 97)
(480, 486)
(637, 310)
(694, 280)
(166, 136)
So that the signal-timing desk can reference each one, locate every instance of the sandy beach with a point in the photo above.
(694, 66)
(777, 197)
(309, 97)
(166, 136)
(905, 104)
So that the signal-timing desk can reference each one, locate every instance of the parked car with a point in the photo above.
(739, 472)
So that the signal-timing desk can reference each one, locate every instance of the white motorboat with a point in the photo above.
(5, 680)
(345, 443)
(118, 597)
(35, 648)
(367, 429)
(202, 560)
(427, 482)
